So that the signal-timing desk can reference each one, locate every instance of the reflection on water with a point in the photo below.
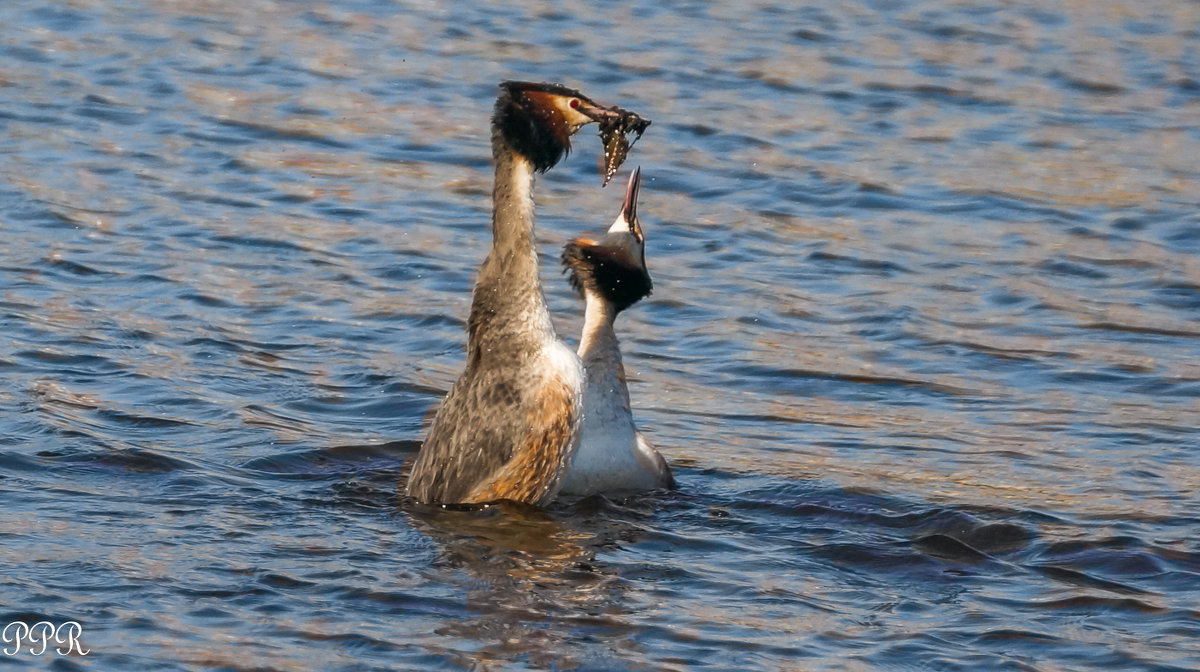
(526, 582)
(923, 343)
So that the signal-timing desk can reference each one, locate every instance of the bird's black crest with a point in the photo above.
(610, 271)
(531, 125)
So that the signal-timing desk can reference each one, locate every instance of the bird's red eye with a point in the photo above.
(574, 103)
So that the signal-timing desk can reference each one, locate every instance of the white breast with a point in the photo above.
(607, 459)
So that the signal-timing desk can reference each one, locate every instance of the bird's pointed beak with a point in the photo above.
(599, 113)
(627, 221)
(629, 206)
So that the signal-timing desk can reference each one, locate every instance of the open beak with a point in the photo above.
(629, 206)
(627, 221)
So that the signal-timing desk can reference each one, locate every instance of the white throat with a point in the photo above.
(620, 226)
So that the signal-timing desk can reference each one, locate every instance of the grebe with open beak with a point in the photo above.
(509, 425)
(611, 275)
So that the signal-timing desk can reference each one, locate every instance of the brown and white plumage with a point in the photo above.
(611, 275)
(508, 426)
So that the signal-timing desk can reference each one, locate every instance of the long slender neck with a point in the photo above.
(598, 344)
(512, 200)
(508, 312)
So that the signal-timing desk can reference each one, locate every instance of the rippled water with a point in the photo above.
(923, 345)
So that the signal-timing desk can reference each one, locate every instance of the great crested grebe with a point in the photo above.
(611, 275)
(508, 426)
